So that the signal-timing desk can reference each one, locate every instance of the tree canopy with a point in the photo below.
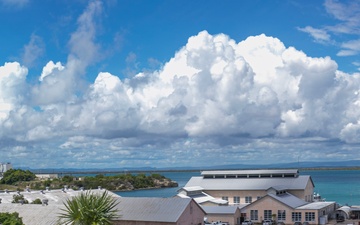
(15, 175)
(10, 219)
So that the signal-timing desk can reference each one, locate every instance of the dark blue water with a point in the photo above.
(342, 186)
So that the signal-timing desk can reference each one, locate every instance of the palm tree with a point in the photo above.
(89, 209)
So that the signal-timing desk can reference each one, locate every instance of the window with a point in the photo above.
(309, 216)
(254, 215)
(236, 199)
(267, 214)
(281, 215)
(248, 199)
(296, 216)
(225, 198)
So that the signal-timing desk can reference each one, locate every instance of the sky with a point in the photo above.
(165, 83)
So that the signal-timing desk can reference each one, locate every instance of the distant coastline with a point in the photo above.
(80, 172)
(337, 165)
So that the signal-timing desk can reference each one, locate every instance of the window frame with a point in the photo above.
(248, 199)
(267, 214)
(309, 216)
(254, 215)
(281, 216)
(296, 216)
(236, 199)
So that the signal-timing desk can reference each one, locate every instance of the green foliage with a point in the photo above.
(15, 175)
(157, 176)
(89, 209)
(10, 219)
(67, 178)
(116, 182)
(36, 201)
(19, 199)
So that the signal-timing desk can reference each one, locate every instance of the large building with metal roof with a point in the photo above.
(280, 195)
(246, 186)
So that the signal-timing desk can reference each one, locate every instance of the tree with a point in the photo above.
(10, 219)
(14, 175)
(89, 209)
(19, 199)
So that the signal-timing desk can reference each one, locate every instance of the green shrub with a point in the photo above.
(10, 219)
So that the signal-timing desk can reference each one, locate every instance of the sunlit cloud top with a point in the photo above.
(93, 97)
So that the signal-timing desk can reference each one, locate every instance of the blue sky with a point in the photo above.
(178, 83)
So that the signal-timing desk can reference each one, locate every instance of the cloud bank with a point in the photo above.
(214, 99)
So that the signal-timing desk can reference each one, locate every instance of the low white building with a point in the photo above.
(5, 167)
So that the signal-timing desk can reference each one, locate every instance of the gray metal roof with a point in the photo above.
(290, 183)
(33, 214)
(289, 200)
(152, 209)
(245, 172)
(53, 196)
(316, 205)
(220, 209)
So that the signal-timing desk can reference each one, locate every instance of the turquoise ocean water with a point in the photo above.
(342, 186)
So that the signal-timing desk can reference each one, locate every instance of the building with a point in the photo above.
(46, 176)
(132, 211)
(159, 211)
(4, 167)
(277, 195)
(246, 186)
(228, 214)
(288, 209)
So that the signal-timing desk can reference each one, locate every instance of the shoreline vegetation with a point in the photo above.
(18, 180)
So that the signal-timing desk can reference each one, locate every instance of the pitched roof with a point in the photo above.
(248, 172)
(152, 209)
(204, 197)
(53, 196)
(290, 183)
(289, 200)
(316, 205)
(220, 209)
(33, 214)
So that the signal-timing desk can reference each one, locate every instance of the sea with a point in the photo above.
(341, 186)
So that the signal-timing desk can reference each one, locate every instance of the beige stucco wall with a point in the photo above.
(242, 194)
(209, 204)
(231, 219)
(192, 215)
(268, 203)
(305, 194)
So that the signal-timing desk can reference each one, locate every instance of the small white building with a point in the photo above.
(5, 167)
(47, 176)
